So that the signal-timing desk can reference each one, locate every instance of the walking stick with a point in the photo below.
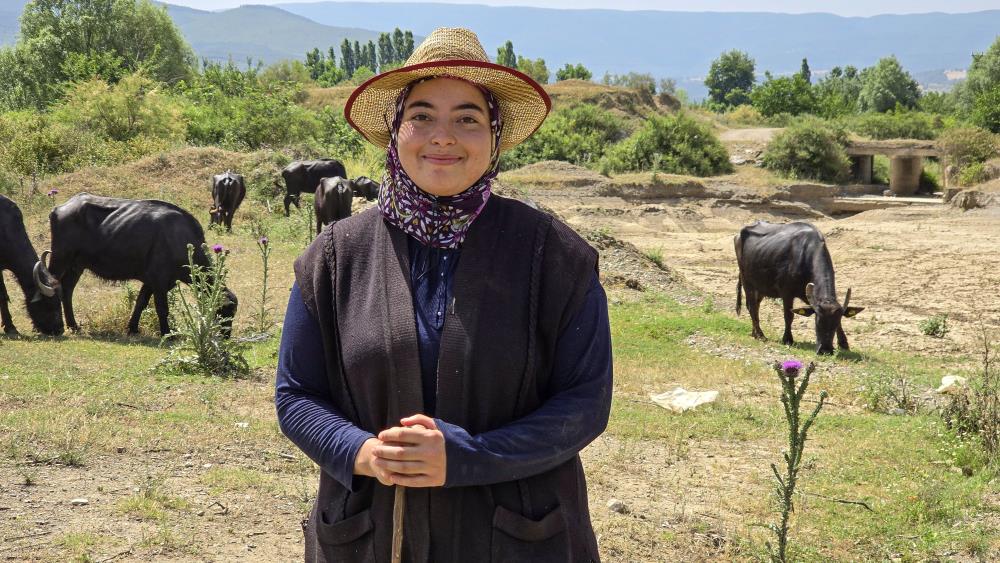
(398, 511)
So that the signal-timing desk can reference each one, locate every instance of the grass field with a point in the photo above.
(178, 467)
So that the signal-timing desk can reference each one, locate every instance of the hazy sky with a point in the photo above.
(840, 7)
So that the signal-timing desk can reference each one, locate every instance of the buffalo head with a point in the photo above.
(45, 308)
(829, 314)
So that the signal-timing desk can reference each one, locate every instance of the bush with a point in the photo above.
(936, 326)
(809, 148)
(786, 94)
(897, 125)
(744, 115)
(968, 145)
(973, 174)
(579, 134)
(675, 144)
(986, 110)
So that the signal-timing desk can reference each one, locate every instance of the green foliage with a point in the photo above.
(73, 39)
(286, 71)
(936, 326)
(361, 74)
(901, 124)
(262, 322)
(134, 106)
(579, 134)
(336, 133)
(804, 71)
(744, 115)
(791, 400)
(534, 68)
(983, 74)
(964, 146)
(986, 110)
(974, 412)
(837, 93)
(787, 94)
(506, 56)
(972, 174)
(200, 344)
(675, 144)
(886, 86)
(941, 103)
(730, 79)
(809, 148)
(573, 72)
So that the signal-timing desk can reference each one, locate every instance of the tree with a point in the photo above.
(983, 74)
(386, 54)
(315, 63)
(837, 93)
(359, 57)
(398, 45)
(407, 46)
(786, 94)
(505, 55)
(986, 110)
(534, 68)
(804, 71)
(730, 79)
(886, 85)
(69, 39)
(635, 80)
(573, 72)
(347, 61)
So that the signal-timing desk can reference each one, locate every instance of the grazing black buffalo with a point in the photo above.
(789, 261)
(125, 239)
(332, 201)
(303, 176)
(366, 187)
(18, 256)
(228, 191)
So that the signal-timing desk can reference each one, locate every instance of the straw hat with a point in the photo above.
(454, 52)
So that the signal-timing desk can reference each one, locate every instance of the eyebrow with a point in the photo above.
(428, 105)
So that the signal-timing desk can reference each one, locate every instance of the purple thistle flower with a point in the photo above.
(263, 241)
(217, 248)
(52, 192)
(791, 366)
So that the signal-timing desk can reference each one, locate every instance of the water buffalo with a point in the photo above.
(18, 255)
(789, 261)
(125, 239)
(303, 176)
(228, 191)
(332, 201)
(366, 187)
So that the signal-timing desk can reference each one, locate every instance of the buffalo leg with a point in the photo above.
(141, 302)
(5, 318)
(162, 312)
(69, 281)
(842, 339)
(753, 307)
(229, 222)
(290, 199)
(786, 305)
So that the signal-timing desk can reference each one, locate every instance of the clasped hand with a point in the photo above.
(412, 455)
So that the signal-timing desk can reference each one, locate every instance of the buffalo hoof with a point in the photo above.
(822, 352)
(11, 331)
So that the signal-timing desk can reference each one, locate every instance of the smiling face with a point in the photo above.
(444, 141)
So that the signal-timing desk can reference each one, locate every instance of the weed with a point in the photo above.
(791, 399)
(655, 255)
(936, 326)
(883, 392)
(262, 317)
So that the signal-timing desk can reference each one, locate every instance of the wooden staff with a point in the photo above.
(398, 511)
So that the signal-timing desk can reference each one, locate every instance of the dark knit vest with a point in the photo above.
(521, 277)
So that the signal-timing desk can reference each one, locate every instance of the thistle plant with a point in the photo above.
(791, 398)
(201, 342)
(262, 317)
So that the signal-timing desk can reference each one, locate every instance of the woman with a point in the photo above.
(447, 340)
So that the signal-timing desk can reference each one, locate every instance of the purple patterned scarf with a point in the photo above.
(437, 221)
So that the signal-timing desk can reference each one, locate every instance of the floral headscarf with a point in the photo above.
(436, 221)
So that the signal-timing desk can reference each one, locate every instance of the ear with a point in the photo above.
(851, 311)
(804, 311)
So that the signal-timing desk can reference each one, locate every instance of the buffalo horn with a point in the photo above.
(847, 298)
(809, 292)
(40, 269)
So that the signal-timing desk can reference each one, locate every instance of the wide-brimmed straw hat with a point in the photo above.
(457, 53)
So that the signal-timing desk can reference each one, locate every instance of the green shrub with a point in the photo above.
(897, 125)
(343, 140)
(809, 148)
(744, 115)
(936, 326)
(785, 94)
(579, 134)
(675, 144)
(973, 174)
(968, 145)
(986, 110)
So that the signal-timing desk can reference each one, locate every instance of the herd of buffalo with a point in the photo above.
(146, 240)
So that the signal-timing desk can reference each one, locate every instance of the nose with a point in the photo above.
(442, 134)
(821, 351)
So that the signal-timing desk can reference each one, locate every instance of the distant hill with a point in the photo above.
(682, 45)
(260, 32)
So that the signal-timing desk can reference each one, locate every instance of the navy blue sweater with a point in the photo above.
(554, 433)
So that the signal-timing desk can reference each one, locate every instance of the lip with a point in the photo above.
(442, 159)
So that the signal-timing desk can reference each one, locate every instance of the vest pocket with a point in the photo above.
(350, 539)
(517, 539)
